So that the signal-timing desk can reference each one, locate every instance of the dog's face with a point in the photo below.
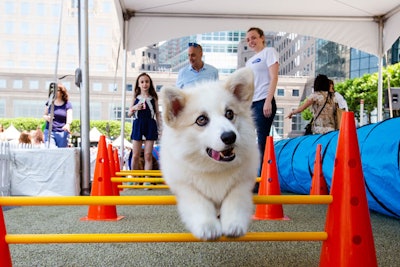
(211, 121)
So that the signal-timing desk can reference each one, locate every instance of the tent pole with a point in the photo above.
(123, 104)
(380, 67)
(85, 111)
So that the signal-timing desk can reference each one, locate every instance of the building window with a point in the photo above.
(295, 92)
(95, 111)
(97, 86)
(9, 27)
(2, 108)
(9, 7)
(112, 87)
(129, 87)
(115, 112)
(33, 84)
(28, 108)
(280, 92)
(278, 122)
(17, 84)
(296, 122)
(3, 84)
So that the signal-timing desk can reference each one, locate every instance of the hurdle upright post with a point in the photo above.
(5, 256)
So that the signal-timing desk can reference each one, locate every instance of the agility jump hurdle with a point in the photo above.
(347, 239)
(152, 237)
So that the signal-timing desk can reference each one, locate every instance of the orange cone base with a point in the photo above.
(269, 212)
(102, 213)
(284, 218)
(86, 218)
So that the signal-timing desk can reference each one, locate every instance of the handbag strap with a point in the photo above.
(314, 119)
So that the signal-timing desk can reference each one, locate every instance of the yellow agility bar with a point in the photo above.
(149, 200)
(138, 180)
(139, 173)
(142, 180)
(158, 237)
(144, 186)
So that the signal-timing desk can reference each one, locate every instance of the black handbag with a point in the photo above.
(308, 128)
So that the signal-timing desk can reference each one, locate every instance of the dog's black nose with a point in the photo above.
(228, 137)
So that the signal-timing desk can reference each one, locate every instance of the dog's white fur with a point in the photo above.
(214, 197)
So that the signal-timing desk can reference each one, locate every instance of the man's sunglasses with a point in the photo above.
(194, 44)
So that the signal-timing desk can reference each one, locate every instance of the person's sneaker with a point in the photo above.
(146, 184)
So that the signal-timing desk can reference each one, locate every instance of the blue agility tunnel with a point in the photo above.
(379, 145)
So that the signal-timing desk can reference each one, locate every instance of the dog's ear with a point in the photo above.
(241, 84)
(173, 100)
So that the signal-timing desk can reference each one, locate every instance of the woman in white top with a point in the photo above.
(265, 66)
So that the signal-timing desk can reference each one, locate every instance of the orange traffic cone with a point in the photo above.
(269, 185)
(117, 167)
(5, 256)
(114, 186)
(102, 187)
(350, 241)
(318, 184)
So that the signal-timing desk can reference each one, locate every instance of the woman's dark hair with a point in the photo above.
(321, 83)
(152, 90)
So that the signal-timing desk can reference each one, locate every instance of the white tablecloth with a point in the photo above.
(45, 172)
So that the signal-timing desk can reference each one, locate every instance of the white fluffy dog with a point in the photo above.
(209, 156)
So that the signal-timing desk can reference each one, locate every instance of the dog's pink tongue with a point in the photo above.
(215, 155)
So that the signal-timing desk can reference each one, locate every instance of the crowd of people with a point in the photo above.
(28, 139)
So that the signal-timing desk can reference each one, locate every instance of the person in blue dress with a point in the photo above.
(146, 121)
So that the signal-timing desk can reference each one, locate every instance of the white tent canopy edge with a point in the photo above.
(141, 29)
(350, 22)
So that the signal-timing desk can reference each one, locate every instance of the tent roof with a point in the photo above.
(117, 142)
(353, 23)
(94, 135)
(12, 133)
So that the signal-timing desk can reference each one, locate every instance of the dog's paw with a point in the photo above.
(207, 231)
(235, 230)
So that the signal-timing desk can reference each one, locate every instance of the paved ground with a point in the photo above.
(144, 219)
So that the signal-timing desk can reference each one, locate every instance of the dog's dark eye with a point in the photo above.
(229, 114)
(202, 120)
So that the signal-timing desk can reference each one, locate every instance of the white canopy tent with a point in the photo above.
(94, 135)
(368, 25)
(12, 133)
(356, 23)
(117, 143)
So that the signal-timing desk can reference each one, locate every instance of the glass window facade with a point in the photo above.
(279, 121)
(362, 63)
